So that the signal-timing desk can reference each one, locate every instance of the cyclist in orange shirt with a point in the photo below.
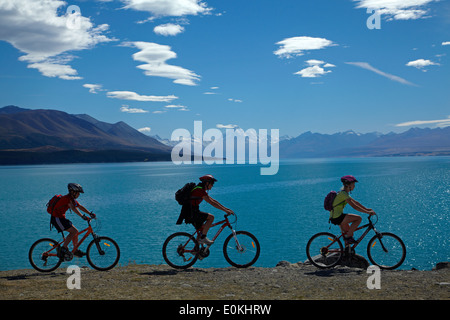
(61, 223)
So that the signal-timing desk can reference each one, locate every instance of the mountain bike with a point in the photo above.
(241, 248)
(385, 250)
(102, 253)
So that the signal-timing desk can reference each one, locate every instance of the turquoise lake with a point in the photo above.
(136, 206)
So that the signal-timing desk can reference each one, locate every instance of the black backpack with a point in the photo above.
(183, 195)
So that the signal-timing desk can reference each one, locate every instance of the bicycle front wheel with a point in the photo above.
(386, 250)
(324, 250)
(103, 253)
(180, 250)
(43, 255)
(241, 249)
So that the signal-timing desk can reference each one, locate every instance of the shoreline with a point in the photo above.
(166, 158)
(286, 281)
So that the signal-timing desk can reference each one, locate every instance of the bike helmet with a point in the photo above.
(75, 187)
(348, 179)
(208, 178)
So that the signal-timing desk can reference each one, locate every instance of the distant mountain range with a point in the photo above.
(50, 136)
(414, 142)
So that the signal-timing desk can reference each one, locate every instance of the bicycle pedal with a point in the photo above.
(204, 252)
(68, 256)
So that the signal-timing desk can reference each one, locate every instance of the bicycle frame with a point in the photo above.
(88, 231)
(369, 226)
(225, 223)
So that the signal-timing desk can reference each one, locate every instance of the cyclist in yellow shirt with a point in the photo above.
(347, 222)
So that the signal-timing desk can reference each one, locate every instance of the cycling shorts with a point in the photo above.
(337, 221)
(61, 224)
(198, 217)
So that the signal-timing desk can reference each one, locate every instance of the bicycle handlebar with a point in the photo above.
(91, 216)
(372, 215)
(229, 214)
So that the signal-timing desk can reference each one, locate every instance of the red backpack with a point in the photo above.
(52, 202)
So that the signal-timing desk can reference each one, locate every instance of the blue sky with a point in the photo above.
(296, 66)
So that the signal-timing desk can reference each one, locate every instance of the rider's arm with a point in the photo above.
(216, 204)
(75, 209)
(90, 213)
(358, 206)
(84, 209)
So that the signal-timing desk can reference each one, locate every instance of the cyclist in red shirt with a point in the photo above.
(61, 223)
(201, 219)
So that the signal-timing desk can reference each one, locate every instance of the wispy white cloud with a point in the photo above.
(421, 63)
(93, 88)
(211, 92)
(169, 8)
(398, 9)
(312, 72)
(392, 77)
(129, 95)
(36, 28)
(446, 43)
(177, 107)
(296, 46)
(127, 109)
(315, 69)
(52, 69)
(168, 29)
(227, 126)
(438, 123)
(314, 62)
(155, 56)
(145, 130)
(234, 100)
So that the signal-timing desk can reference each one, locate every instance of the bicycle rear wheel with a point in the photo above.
(386, 251)
(242, 250)
(43, 255)
(180, 250)
(324, 250)
(103, 253)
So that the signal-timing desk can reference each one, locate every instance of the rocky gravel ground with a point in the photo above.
(286, 281)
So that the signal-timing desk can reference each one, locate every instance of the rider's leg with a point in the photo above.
(73, 236)
(352, 219)
(207, 225)
(204, 230)
(344, 228)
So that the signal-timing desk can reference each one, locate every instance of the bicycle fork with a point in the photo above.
(238, 245)
(204, 251)
(97, 244)
(379, 237)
